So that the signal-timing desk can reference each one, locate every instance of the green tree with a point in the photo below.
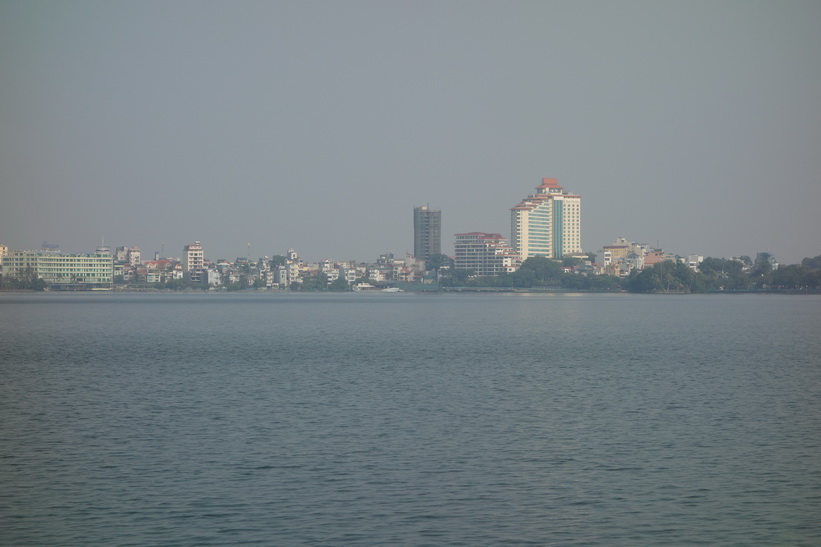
(339, 284)
(364, 279)
(436, 262)
(591, 282)
(259, 283)
(762, 274)
(666, 276)
(812, 278)
(452, 277)
(176, 284)
(524, 278)
(723, 274)
(29, 280)
(812, 263)
(605, 282)
(538, 271)
(787, 277)
(317, 282)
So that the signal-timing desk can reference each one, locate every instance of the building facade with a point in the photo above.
(132, 255)
(485, 254)
(193, 261)
(427, 232)
(63, 271)
(547, 223)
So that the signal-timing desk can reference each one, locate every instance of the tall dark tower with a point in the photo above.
(427, 232)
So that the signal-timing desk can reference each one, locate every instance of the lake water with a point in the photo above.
(410, 419)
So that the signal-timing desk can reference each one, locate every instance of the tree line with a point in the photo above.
(713, 274)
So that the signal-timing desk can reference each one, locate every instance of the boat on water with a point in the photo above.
(371, 288)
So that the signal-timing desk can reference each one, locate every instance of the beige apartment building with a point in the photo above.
(193, 261)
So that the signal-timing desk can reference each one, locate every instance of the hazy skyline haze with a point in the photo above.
(320, 125)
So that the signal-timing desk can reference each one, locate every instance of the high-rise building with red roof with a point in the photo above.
(547, 223)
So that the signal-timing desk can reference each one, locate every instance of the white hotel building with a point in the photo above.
(547, 223)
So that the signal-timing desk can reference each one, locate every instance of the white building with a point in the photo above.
(485, 254)
(4, 250)
(132, 255)
(81, 271)
(693, 261)
(211, 277)
(547, 223)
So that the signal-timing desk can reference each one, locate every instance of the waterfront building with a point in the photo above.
(485, 254)
(547, 223)
(623, 256)
(131, 255)
(157, 271)
(656, 256)
(290, 272)
(193, 257)
(693, 261)
(427, 232)
(63, 271)
(193, 261)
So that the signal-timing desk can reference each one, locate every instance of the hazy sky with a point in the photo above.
(319, 125)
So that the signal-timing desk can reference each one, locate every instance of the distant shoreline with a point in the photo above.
(450, 290)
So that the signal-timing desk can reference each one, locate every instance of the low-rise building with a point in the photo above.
(4, 250)
(654, 257)
(93, 271)
(693, 261)
(623, 256)
(485, 254)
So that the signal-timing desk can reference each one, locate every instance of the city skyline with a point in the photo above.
(547, 224)
(314, 125)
